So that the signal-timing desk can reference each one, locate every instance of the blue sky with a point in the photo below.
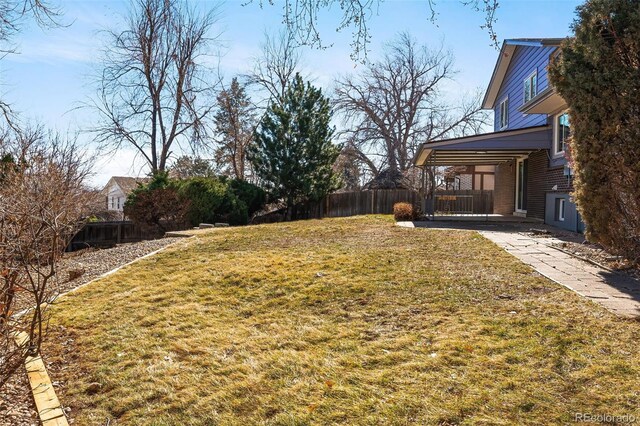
(53, 73)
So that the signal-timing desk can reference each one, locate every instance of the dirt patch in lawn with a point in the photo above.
(340, 321)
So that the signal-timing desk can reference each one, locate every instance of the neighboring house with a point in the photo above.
(527, 147)
(118, 189)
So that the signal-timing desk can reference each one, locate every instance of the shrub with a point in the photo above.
(597, 75)
(206, 197)
(161, 208)
(404, 211)
(252, 195)
(213, 200)
(235, 211)
(168, 203)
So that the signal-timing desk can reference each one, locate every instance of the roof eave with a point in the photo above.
(499, 71)
(504, 59)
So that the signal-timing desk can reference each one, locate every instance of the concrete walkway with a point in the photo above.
(618, 292)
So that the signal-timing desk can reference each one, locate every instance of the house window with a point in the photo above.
(530, 86)
(562, 132)
(504, 114)
(560, 203)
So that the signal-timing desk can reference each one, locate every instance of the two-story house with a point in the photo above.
(527, 146)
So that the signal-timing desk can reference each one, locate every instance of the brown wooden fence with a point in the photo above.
(108, 234)
(380, 201)
(354, 203)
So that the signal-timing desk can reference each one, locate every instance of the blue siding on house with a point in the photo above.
(525, 60)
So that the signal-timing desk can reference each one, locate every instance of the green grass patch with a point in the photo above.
(338, 321)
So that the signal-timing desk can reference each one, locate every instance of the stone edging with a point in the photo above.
(47, 404)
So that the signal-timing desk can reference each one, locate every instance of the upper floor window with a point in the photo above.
(530, 86)
(504, 114)
(562, 132)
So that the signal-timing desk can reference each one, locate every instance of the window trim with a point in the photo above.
(555, 151)
(505, 102)
(562, 203)
(533, 92)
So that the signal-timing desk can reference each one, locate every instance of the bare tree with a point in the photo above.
(349, 168)
(235, 125)
(301, 18)
(43, 202)
(185, 167)
(396, 104)
(155, 90)
(276, 66)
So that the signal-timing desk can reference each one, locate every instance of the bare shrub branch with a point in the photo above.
(43, 203)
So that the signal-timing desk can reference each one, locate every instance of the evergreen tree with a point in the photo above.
(293, 154)
(598, 76)
(235, 122)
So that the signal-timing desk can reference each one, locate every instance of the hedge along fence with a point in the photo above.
(342, 204)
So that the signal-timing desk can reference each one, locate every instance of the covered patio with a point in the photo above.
(506, 150)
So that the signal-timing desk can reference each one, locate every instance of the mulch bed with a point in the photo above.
(76, 268)
(576, 245)
(597, 254)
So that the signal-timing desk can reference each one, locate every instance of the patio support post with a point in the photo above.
(433, 192)
(433, 185)
(423, 188)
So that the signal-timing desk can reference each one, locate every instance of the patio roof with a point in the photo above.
(485, 149)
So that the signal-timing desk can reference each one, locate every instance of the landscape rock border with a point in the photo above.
(47, 403)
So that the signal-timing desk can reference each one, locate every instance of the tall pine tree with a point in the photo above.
(293, 154)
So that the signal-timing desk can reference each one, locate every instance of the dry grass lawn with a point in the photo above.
(339, 321)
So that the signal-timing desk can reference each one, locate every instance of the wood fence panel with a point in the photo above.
(379, 201)
(108, 234)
